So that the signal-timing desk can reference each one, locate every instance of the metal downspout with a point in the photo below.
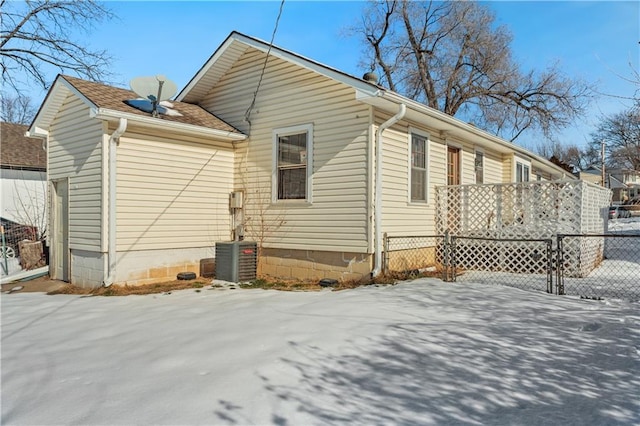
(378, 193)
(114, 139)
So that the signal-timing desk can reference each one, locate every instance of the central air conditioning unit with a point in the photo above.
(236, 261)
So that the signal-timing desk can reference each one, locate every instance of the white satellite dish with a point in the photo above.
(155, 89)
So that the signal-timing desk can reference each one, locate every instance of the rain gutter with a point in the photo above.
(107, 114)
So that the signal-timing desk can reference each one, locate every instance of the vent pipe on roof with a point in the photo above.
(371, 77)
(378, 192)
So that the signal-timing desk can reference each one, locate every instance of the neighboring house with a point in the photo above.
(326, 163)
(631, 181)
(23, 177)
(591, 174)
(623, 183)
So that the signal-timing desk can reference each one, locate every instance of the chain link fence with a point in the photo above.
(414, 256)
(540, 235)
(586, 265)
(12, 234)
(617, 273)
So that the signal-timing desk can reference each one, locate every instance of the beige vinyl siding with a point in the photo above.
(75, 152)
(399, 215)
(289, 95)
(492, 167)
(507, 168)
(467, 166)
(172, 191)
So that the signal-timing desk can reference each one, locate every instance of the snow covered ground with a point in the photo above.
(422, 352)
(628, 226)
(13, 266)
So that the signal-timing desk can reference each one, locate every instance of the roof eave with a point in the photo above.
(59, 91)
(449, 125)
(112, 115)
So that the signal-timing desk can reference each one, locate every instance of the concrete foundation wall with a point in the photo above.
(87, 268)
(152, 266)
(314, 264)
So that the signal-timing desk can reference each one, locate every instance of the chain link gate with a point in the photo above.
(515, 262)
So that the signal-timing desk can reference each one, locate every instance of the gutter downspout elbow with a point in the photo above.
(378, 192)
(114, 139)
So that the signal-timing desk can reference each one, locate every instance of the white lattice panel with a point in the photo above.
(529, 210)
(523, 257)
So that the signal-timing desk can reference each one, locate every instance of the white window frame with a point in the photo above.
(284, 131)
(475, 170)
(426, 136)
(518, 178)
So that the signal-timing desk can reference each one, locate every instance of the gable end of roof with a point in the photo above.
(236, 44)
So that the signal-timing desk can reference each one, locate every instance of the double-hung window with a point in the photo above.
(479, 167)
(418, 168)
(292, 163)
(522, 172)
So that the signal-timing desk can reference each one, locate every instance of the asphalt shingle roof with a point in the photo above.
(113, 98)
(19, 151)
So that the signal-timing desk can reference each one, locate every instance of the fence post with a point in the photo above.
(5, 266)
(550, 266)
(559, 266)
(445, 256)
(385, 251)
(454, 266)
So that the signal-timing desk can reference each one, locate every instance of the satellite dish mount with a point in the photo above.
(154, 89)
(154, 101)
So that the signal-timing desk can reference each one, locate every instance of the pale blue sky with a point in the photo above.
(594, 40)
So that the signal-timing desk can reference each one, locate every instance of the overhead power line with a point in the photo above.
(247, 114)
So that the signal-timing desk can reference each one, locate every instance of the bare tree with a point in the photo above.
(260, 219)
(621, 135)
(453, 57)
(36, 35)
(632, 78)
(17, 109)
(564, 155)
(263, 220)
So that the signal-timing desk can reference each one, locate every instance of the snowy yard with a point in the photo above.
(424, 352)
